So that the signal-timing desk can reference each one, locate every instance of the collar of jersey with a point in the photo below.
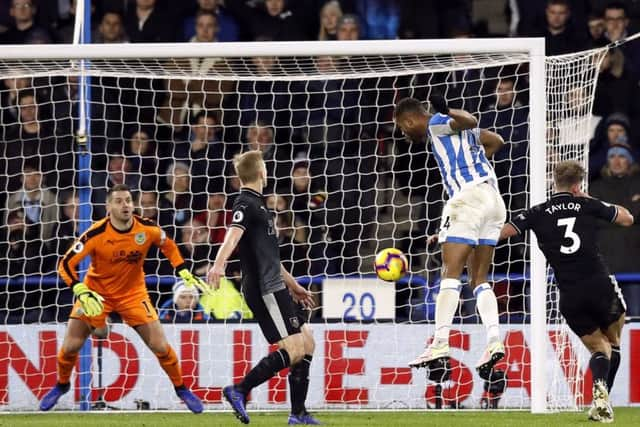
(250, 191)
(562, 193)
(123, 231)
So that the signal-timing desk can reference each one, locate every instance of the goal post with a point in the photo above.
(367, 202)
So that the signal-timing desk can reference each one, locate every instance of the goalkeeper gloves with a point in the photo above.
(90, 301)
(192, 281)
(439, 103)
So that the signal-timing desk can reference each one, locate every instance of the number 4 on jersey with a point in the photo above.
(569, 234)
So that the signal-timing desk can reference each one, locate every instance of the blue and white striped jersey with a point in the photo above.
(459, 155)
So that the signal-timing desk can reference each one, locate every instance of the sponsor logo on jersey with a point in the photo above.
(294, 322)
(140, 238)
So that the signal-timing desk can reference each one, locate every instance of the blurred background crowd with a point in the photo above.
(328, 143)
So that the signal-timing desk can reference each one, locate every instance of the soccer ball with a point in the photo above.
(391, 264)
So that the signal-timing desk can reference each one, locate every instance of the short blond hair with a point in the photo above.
(248, 166)
(568, 173)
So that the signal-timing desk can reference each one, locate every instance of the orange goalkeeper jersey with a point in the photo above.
(117, 257)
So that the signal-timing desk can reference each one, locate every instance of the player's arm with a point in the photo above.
(623, 216)
(518, 224)
(460, 119)
(491, 141)
(299, 294)
(609, 212)
(169, 248)
(508, 231)
(90, 301)
(231, 239)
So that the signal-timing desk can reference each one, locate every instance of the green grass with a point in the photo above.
(624, 417)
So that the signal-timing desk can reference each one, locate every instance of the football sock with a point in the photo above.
(270, 365)
(66, 362)
(446, 306)
(599, 365)
(488, 309)
(299, 384)
(169, 362)
(613, 366)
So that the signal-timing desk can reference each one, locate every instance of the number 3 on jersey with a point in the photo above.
(569, 234)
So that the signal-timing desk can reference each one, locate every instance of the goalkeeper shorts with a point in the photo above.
(135, 310)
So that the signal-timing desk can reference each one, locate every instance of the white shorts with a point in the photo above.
(474, 216)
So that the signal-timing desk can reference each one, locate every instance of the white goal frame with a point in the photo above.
(534, 48)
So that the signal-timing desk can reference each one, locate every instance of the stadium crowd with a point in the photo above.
(172, 141)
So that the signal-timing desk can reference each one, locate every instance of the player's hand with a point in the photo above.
(302, 296)
(90, 301)
(432, 240)
(192, 281)
(215, 274)
(439, 103)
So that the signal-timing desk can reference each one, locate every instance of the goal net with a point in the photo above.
(343, 183)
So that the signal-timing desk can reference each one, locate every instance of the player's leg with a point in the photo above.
(598, 345)
(613, 334)
(479, 263)
(613, 331)
(299, 381)
(276, 315)
(77, 333)
(138, 312)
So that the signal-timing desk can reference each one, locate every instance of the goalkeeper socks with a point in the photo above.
(614, 363)
(599, 365)
(269, 366)
(446, 306)
(299, 385)
(488, 309)
(169, 362)
(66, 362)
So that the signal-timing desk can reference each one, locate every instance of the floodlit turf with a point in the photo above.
(624, 417)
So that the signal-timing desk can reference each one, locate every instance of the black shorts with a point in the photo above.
(593, 305)
(277, 314)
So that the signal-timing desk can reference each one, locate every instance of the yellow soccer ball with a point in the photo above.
(391, 264)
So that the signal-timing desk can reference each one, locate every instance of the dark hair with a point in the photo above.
(23, 93)
(32, 163)
(564, 3)
(409, 106)
(204, 12)
(617, 5)
(568, 173)
(117, 187)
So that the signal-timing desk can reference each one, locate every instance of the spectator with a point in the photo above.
(217, 218)
(65, 27)
(596, 30)
(348, 28)
(182, 200)
(161, 213)
(260, 136)
(206, 24)
(508, 117)
(616, 20)
(195, 246)
(146, 23)
(292, 240)
(111, 29)
(617, 89)
(183, 307)
(274, 19)
(142, 152)
(308, 205)
(32, 137)
(614, 131)
(21, 247)
(380, 19)
(228, 28)
(620, 185)
(37, 203)
(24, 29)
(68, 231)
(119, 171)
(9, 111)
(560, 37)
(330, 14)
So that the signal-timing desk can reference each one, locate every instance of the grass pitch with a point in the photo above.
(623, 417)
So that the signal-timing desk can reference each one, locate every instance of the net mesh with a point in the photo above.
(343, 184)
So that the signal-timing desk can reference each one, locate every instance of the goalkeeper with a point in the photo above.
(118, 245)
